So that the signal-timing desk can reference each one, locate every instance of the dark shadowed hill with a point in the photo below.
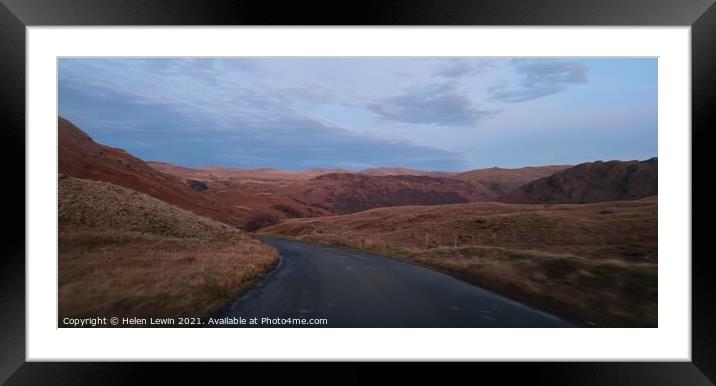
(591, 182)
(350, 192)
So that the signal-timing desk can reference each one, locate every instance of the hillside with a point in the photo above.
(143, 257)
(267, 208)
(591, 182)
(80, 156)
(595, 263)
(625, 230)
(350, 192)
(309, 195)
(503, 181)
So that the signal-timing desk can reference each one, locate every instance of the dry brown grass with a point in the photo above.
(623, 230)
(593, 263)
(607, 293)
(123, 253)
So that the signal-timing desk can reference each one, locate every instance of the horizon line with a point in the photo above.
(349, 170)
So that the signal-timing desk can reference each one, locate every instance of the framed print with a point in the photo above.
(402, 182)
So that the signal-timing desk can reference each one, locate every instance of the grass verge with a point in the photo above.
(143, 275)
(123, 253)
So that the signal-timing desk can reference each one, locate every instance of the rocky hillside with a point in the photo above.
(591, 182)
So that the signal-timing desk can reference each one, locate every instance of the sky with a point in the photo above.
(450, 114)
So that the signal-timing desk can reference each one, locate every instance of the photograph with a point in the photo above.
(383, 192)
(357, 192)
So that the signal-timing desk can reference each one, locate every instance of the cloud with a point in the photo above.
(304, 142)
(295, 113)
(455, 68)
(193, 66)
(220, 89)
(213, 119)
(403, 74)
(309, 94)
(539, 78)
(435, 104)
(286, 142)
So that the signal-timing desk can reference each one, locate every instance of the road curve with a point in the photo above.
(355, 289)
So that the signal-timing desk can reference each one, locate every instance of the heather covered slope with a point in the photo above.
(122, 252)
(591, 182)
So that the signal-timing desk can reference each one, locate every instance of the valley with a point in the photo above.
(578, 241)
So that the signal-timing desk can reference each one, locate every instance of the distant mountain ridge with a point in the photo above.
(351, 192)
(337, 190)
(398, 171)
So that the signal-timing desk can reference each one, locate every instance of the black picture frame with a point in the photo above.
(16, 15)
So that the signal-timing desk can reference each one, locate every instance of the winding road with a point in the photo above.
(355, 289)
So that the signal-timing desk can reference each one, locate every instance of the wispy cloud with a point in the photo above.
(455, 68)
(194, 114)
(440, 104)
(358, 112)
(214, 89)
(539, 78)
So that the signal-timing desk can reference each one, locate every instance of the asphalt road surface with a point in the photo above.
(355, 289)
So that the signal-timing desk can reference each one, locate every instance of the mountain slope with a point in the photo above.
(503, 181)
(591, 182)
(80, 156)
(308, 195)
